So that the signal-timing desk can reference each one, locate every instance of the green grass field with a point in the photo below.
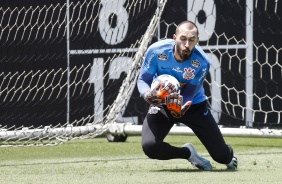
(99, 162)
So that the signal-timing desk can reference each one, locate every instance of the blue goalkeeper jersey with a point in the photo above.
(159, 59)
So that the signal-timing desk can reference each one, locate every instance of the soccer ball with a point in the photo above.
(165, 78)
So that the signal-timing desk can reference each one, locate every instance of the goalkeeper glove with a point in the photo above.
(174, 104)
(159, 93)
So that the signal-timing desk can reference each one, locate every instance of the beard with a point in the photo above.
(183, 54)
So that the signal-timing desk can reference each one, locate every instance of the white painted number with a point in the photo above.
(207, 7)
(113, 21)
(117, 66)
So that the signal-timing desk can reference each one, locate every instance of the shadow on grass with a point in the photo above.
(193, 170)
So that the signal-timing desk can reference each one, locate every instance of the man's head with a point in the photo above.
(186, 37)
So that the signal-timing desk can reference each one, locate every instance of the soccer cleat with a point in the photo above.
(233, 164)
(196, 160)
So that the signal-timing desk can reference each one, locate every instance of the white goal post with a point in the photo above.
(69, 68)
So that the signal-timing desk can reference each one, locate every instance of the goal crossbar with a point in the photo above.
(128, 128)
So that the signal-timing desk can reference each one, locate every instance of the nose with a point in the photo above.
(187, 44)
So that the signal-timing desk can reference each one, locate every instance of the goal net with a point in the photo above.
(69, 68)
(63, 64)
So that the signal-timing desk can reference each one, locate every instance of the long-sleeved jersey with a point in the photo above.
(159, 59)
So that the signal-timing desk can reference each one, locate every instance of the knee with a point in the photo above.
(150, 149)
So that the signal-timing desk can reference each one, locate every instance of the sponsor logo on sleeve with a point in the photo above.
(147, 64)
(162, 56)
(203, 74)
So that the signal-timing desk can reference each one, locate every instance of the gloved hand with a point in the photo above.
(158, 94)
(174, 104)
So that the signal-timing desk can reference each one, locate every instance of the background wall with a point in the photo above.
(43, 48)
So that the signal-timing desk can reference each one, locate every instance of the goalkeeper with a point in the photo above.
(182, 58)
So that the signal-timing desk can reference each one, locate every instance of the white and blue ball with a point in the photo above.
(165, 78)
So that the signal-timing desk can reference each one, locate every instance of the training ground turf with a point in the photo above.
(97, 161)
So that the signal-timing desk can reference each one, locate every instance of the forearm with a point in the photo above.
(143, 87)
(144, 82)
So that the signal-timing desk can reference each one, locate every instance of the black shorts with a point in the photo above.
(159, 121)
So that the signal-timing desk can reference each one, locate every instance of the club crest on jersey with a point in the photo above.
(162, 56)
(196, 63)
(189, 73)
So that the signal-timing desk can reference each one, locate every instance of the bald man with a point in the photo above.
(182, 58)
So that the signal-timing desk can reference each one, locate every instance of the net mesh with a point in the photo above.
(68, 68)
(63, 64)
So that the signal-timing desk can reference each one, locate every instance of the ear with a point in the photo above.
(198, 39)
(174, 36)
